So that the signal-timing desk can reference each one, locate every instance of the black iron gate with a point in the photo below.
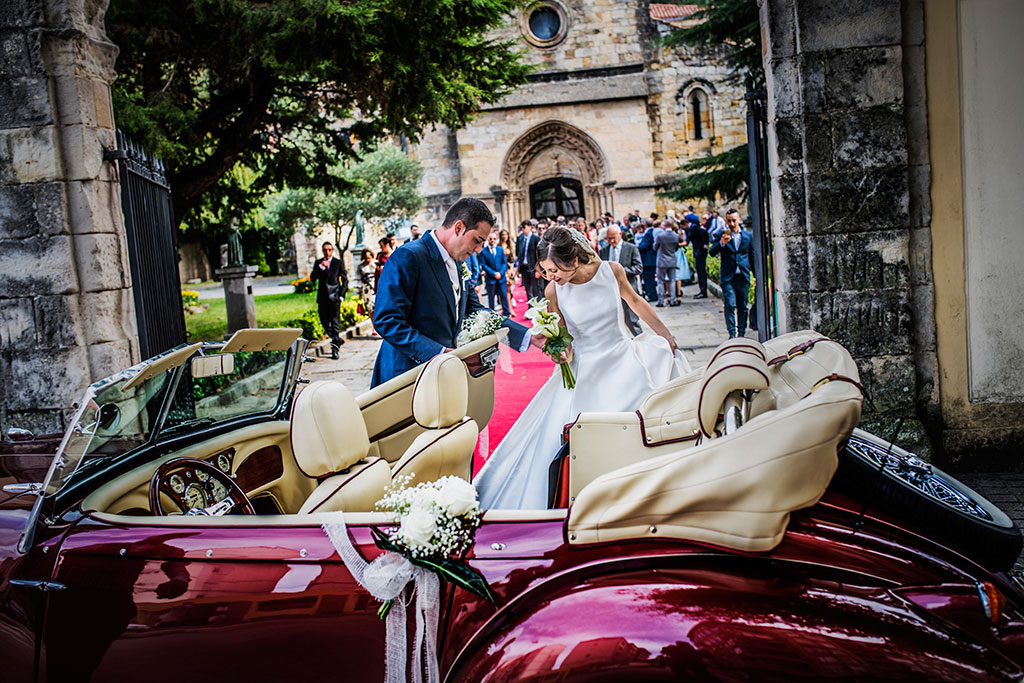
(152, 252)
(760, 210)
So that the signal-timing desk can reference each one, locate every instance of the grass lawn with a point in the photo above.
(272, 310)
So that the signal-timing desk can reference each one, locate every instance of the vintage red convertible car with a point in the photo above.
(175, 535)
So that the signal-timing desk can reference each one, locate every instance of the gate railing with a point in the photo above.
(760, 210)
(152, 251)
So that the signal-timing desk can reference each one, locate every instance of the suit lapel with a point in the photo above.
(441, 273)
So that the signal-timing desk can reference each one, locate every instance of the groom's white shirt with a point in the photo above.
(455, 276)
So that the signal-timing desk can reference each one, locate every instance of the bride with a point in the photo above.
(613, 370)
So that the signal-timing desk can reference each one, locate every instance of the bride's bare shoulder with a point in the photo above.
(551, 292)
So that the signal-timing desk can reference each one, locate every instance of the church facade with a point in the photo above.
(606, 117)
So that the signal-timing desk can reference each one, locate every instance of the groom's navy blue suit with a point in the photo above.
(416, 313)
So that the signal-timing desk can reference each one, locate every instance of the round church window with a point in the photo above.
(544, 23)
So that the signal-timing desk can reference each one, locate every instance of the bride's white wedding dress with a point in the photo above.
(614, 372)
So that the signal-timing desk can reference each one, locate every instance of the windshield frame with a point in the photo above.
(75, 429)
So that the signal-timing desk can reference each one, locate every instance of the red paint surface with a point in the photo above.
(512, 392)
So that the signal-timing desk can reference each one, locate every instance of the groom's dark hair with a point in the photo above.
(470, 211)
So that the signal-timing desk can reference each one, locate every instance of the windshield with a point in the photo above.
(252, 386)
(114, 417)
(129, 409)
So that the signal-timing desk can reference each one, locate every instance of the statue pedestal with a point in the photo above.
(238, 299)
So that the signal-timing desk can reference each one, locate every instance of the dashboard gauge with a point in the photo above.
(201, 475)
(177, 484)
(218, 490)
(195, 497)
(224, 463)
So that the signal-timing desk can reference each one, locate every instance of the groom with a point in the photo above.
(423, 295)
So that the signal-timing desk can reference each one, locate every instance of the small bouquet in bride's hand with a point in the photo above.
(479, 325)
(545, 322)
(436, 524)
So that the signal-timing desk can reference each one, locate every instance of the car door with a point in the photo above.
(217, 599)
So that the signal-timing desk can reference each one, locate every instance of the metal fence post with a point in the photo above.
(760, 210)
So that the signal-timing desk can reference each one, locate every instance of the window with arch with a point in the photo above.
(700, 114)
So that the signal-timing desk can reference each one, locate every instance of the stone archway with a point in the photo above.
(554, 149)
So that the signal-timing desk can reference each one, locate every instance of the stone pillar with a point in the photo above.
(841, 173)
(66, 312)
(238, 297)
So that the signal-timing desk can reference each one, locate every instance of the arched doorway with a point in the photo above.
(554, 169)
(556, 197)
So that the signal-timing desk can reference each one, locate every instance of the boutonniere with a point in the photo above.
(465, 271)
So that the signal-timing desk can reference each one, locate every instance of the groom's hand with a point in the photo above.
(538, 340)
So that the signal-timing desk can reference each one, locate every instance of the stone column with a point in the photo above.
(66, 312)
(841, 190)
(238, 297)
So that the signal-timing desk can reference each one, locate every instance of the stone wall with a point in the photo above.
(66, 312)
(850, 175)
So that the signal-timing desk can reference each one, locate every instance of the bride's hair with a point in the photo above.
(565, 246)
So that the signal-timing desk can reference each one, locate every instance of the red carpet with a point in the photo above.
(513, 391)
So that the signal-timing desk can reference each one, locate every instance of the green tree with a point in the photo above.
(735, 24)
(383, 184)
(284, 89)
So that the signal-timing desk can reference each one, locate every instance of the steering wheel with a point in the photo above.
(190, 484)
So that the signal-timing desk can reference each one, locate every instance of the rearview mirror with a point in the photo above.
(212, 366)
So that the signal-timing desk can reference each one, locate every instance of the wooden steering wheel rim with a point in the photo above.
(235, 491)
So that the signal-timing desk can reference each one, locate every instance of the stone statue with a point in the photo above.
(359, 222)
(235, 257)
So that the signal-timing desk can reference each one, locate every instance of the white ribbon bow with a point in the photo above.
(386, 579)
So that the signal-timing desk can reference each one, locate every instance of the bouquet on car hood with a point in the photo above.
(436, 524)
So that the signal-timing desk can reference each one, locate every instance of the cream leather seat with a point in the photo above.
(669, 414)
(440, 401)
(677, 415)
(330, 444)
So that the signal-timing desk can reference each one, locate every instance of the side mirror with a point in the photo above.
(213, 366)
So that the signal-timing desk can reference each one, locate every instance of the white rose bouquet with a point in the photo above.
(546, 322)
(436, 524)
(478, 325)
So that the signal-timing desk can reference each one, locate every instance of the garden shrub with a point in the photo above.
(303, 285)
(309, 322)
(350, 314)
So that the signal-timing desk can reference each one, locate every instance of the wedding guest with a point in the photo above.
(365, 272)
(698, 236)
(495, 264)
(331, 285)
(628, 256)
(387, 245)
(649, 258)
(666, 244)
(736, 247)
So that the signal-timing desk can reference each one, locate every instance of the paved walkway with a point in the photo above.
(277, 284)
(699, 327)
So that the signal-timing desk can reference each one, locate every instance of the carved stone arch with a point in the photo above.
(584, 161)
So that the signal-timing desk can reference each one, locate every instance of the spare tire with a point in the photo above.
(897, 481)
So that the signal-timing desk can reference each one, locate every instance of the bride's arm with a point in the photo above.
(640, 306)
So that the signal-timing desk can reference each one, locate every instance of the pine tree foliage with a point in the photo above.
(285, 90)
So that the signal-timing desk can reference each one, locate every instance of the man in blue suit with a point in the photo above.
(495, 264)
(648, 257)
(735, 247)
(424, 293)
